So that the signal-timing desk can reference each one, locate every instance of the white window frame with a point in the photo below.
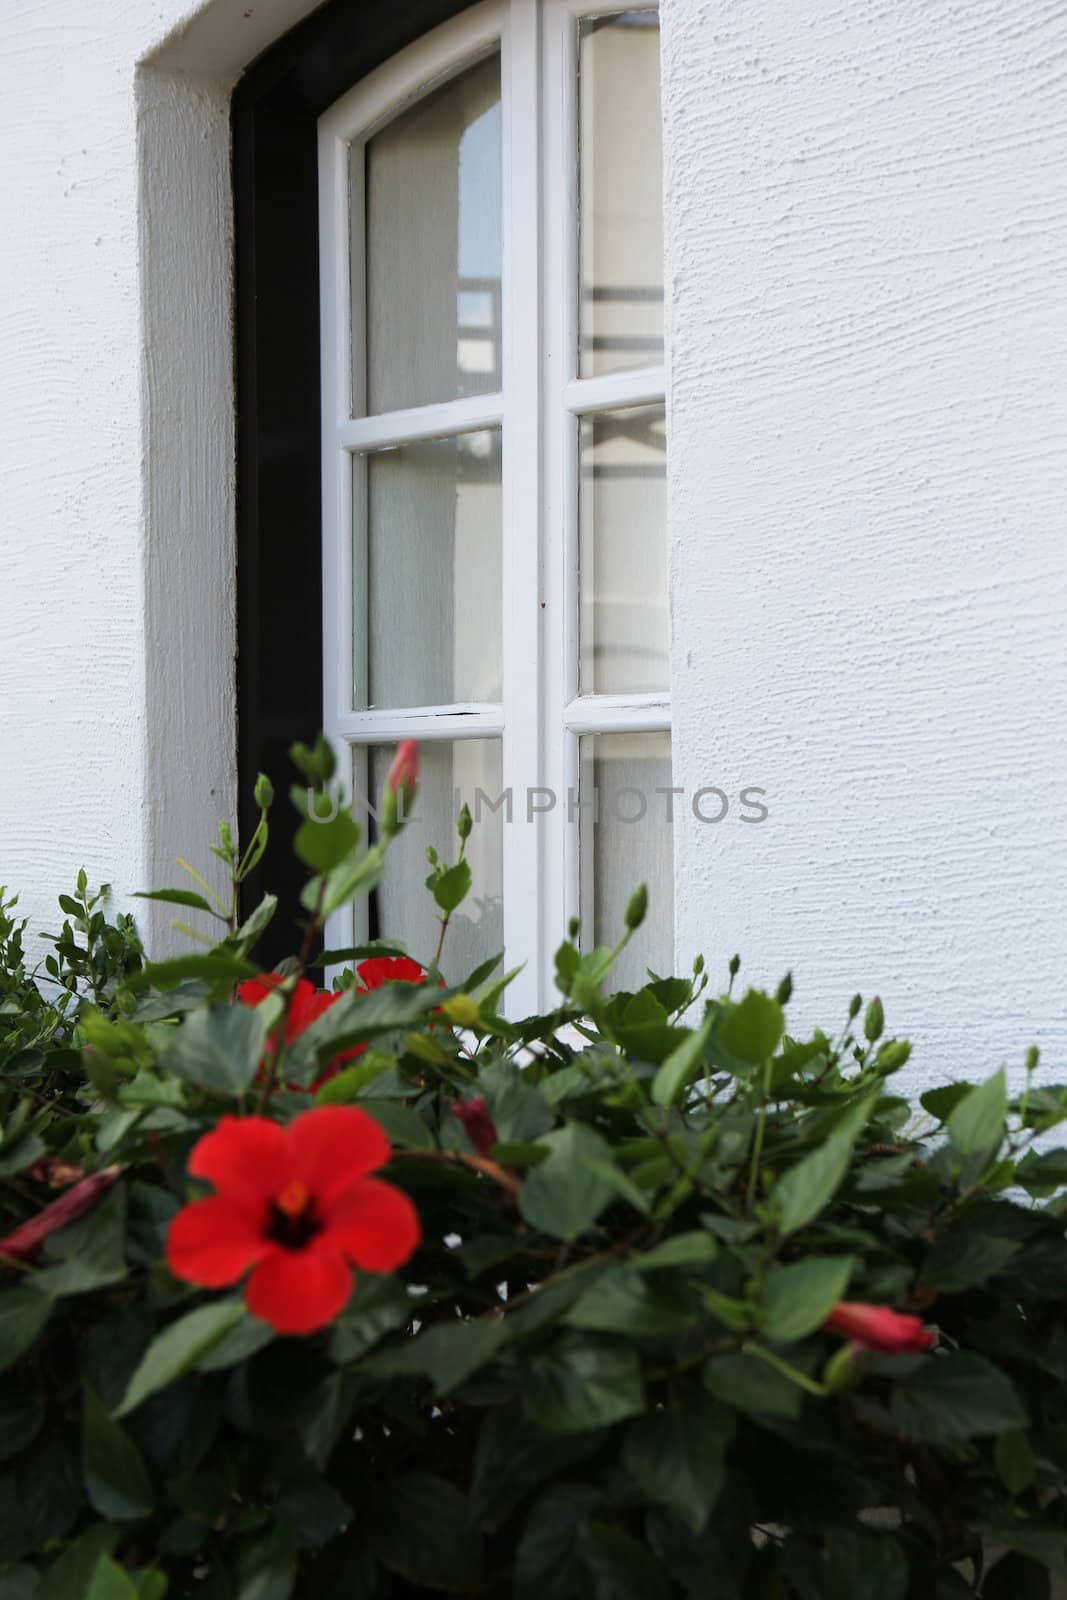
(541, 715)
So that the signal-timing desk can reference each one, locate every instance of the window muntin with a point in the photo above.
(562, 663)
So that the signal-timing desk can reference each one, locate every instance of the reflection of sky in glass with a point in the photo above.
(479, 238)
(479, 197)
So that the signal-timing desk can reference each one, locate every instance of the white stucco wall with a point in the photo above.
(867, 257)
(866, 225)
(116, 437)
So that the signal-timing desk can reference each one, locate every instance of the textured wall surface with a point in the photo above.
(116, 435)
(867, 261)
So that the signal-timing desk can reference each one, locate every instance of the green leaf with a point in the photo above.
(178, 897)
(750, 1385)
(23, 1313)
(624, 1301)
(677, 1455)
(751, 1029)
(618, 1567)
(212, 969)
(797, 1299)
(22, 1415)
(246, 1338)
(377, 1307)
(322, 845)
(1014, 1460)
(1019, 1577)
(547, 1561)
(419, 1528)
(956, 1397)
(69, 1577)
(346, 1084)
(977, 1123)
(91, 1252)
(116, 1480)
(513, 1457)
(583, 1382)
(404, 1126)
(179, 1347)
(447, 1353)
(681, 1066)
(312, 1507)
(111, 1582)
(942, 1101)
(564, 1195)
(266, 1567)
(451, 887)
(684, 1250)
(218, 1049)
(862, 1565)
(355, 1018)
(802, 1192)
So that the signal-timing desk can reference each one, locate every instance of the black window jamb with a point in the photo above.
(275, 112)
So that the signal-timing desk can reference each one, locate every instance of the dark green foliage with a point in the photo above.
(605, 1374)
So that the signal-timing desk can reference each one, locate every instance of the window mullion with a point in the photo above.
(560, 867)
(522, 490)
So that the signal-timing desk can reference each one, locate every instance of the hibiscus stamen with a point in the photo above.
(291, 1219)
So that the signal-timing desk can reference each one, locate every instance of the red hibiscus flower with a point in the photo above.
(309, 1003)
(296, 1205)
(878, 1328)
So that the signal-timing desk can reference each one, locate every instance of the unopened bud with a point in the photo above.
(462, 1010)
(464, 824)
(635, 911)
(1033, 1056)
(874, 1021)
(892, 1056)
(854, 1006)
(477, 1123)
(735, 966)
(574, 927)
(264, 792)
(698, 966)
(785, 990)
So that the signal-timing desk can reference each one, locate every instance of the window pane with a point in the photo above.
(626, 840)
(428, 597)
(432, 253)
(621, 188)
(402, 908)
(622, 553)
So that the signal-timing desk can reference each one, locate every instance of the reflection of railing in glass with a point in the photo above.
(634, 345)
(621, 552)
(479, 315)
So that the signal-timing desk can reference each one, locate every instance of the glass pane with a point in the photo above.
(428, 597)
(622, 555)
(402, 908)
(432, 254)
(626, 839)
(621, 188)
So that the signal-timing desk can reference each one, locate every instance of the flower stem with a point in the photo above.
(794, 1375)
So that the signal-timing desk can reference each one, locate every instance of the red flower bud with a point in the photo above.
(404, 772)
(26, 1239)
(479, 1125)
(879, 1328)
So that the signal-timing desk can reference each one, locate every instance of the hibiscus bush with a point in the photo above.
(365, 1289)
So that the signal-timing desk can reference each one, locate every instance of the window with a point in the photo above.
(493, 471)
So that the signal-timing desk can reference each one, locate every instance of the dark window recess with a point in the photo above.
(276, 107)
